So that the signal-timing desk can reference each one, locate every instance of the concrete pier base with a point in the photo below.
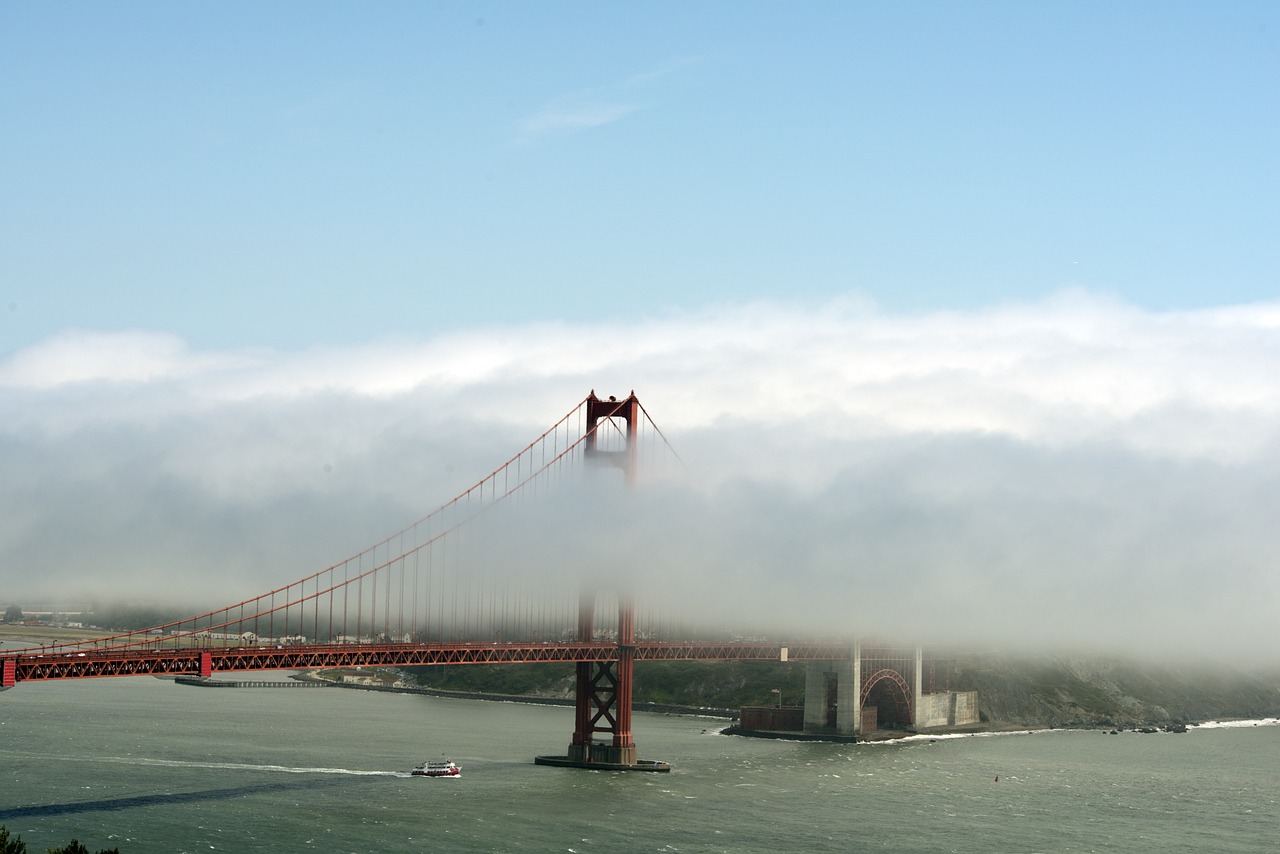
(603, 757)
(607, 753)
(640, 765)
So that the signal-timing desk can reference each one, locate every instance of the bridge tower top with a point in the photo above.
(628, 410)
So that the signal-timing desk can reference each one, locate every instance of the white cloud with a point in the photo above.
(1074, 470)
(1068, 370)
(82, 356)
(571, 114)
(596, 106)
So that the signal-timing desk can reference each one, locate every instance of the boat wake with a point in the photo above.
(244, 766)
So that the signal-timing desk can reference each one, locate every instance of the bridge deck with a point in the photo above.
(188, 661)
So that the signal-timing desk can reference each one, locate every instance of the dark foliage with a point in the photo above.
(15, 845)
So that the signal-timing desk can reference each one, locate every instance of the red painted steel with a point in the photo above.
(629, 411)
(602, 688)
(28, 667)
(603, 691)
(626, 667)
(603, 696)
(582, 691)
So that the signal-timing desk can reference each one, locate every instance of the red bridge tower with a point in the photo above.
(604, 687)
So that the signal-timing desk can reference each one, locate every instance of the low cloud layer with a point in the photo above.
(1075, 472)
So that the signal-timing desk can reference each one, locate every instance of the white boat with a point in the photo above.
(438, 768)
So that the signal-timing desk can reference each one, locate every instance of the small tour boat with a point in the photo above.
(439, 768)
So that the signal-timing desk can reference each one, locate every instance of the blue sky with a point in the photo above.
(294, 174)
(978, 302)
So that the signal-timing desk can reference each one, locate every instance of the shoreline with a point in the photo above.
(900, 736)
(882, 736)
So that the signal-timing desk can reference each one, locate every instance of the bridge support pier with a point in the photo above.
(832, 696)
(604, 701)
(832, 705)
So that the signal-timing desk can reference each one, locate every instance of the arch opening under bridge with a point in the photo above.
(889, 694)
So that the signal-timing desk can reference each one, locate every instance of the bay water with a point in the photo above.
(147, 765)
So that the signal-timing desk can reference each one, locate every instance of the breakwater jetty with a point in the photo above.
(220, 683)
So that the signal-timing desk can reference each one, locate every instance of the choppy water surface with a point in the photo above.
(150, 766)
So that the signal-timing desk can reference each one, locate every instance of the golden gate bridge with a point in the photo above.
(443, 590)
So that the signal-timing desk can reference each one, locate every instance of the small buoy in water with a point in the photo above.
(997, 778)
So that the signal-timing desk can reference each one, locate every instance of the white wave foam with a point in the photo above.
(1237, 724)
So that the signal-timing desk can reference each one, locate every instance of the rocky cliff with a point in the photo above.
(1067, 691)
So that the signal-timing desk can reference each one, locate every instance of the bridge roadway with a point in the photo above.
(72, 663)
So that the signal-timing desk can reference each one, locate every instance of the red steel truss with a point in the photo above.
(196, 661)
